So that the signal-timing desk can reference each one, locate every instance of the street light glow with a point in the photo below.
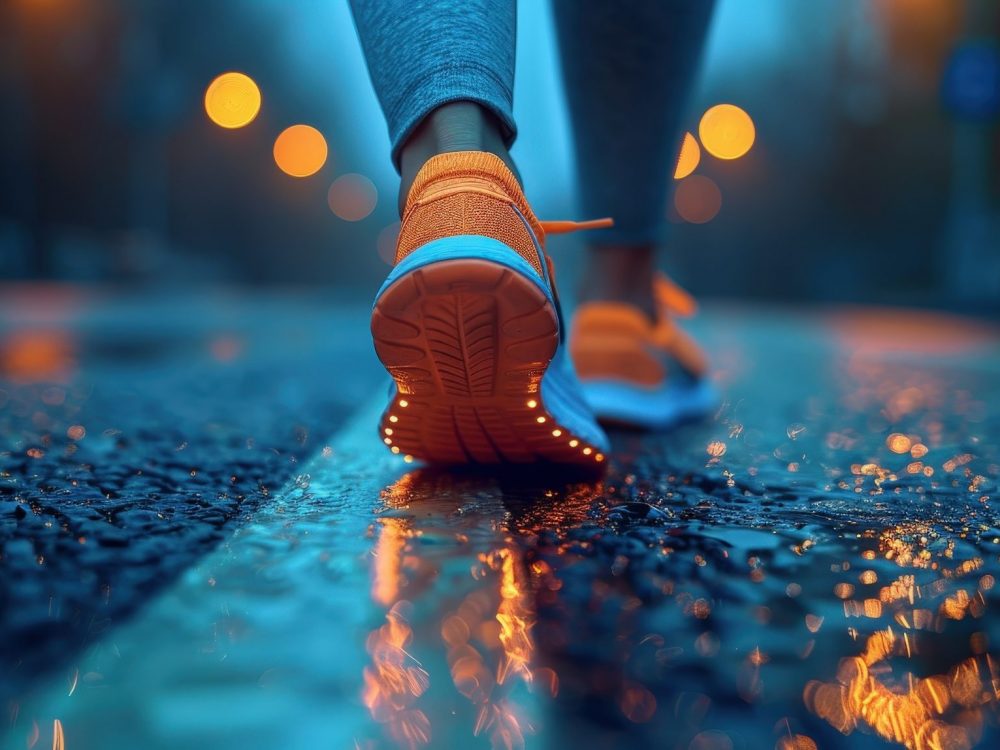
(352, 197)
(689, 157)
(232, 100)
(300, 151)
(726, 131)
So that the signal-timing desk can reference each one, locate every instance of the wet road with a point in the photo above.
(813, 567)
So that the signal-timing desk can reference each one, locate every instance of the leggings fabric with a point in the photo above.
(628, 67)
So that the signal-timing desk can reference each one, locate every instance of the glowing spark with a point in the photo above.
(897, 442)
(716, 448)
(794, 430)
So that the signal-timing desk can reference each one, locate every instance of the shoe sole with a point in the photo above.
(467, 342)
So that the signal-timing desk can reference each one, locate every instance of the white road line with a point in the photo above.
(259, 645)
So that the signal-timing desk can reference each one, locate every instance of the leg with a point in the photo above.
(628, 67)
(456, 126)
(444, 75)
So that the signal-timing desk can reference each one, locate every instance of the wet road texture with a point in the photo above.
(204, 544)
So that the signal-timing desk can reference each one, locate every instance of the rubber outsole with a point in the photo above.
(468, 342)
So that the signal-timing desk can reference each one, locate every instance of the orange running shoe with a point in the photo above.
(468, 326)
(639, 373)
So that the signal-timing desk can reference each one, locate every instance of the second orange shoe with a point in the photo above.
(638, 372)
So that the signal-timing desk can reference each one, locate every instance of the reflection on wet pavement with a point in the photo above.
(815, 567)
(133, 435)
(729, 587)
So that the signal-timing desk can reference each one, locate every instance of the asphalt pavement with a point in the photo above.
(204, 544)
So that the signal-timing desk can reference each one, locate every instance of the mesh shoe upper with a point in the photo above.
(616, 341)
(470, 192)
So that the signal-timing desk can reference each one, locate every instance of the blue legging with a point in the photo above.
(628, 67)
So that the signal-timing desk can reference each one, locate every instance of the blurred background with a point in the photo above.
(873, 174)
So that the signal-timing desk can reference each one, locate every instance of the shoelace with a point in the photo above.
(675, 302)
(564, 227)
(672, 298)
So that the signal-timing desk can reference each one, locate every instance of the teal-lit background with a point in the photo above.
(867, 181)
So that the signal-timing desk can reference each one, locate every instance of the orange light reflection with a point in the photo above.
(394, 680)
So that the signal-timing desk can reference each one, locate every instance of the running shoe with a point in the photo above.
(469, 327)
(640, 373)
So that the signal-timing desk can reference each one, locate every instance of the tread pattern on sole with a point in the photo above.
(467, 342)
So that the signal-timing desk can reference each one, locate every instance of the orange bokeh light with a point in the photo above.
(352, 197)
(232, 100)
(37, 355)
(726, 131)
(300, 151)
(689, 157)
(897, 442)
(697, 199)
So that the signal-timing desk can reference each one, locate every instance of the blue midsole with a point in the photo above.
(653, 409)
(465, 247)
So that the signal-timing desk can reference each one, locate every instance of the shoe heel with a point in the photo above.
(468, 332)
(465, 329)
(467, 341)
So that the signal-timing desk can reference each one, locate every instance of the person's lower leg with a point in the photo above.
(456, 126)
(619, 273)
(443, 71)
(628, 67)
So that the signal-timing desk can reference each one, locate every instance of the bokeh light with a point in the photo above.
(226, 347)
(36, 355)
(726, 131)
(697, 199)
(897, 442)
(300, 151)
(232, 100)
(352, 197)
(689, 157)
